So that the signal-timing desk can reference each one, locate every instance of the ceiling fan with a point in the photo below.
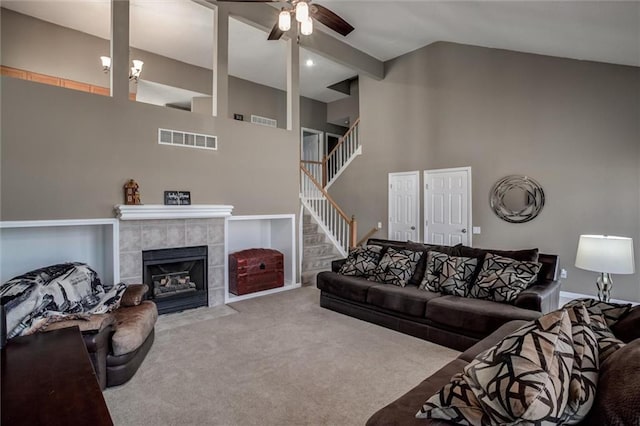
(304, 12)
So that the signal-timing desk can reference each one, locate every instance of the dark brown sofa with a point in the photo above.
(452, 321)
(617, 396)
(119, 341)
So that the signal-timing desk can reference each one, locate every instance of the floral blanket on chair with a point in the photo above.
(55, 293)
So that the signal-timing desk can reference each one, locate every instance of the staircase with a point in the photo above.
(317, 252)
(328, 233)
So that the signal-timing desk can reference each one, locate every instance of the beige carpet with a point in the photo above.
(281, 360)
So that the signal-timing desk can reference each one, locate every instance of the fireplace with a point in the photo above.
(177, 277)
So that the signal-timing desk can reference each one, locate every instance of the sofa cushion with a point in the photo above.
(418, 275)
(396, 267)
(455, 402)
(93, 323)
(408, 300)
(618, 399)
(362, 261)
(584, 375)
(628, 327)
(525, 378)
(346, 287)
(431, 279)
(612, 312)
(502, 279)
(607, 342)
(133, 325)
(474, 316)
(134, 294)
(492, 339)
(526, 255)
(455, 278)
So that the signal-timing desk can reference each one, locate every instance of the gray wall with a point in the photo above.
(35, 45)
(246, 98)
(67, 154)
(572, 125)
(313, 115)
(39, 46)
(347, 108)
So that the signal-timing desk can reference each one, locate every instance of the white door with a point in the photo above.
(447, 206)
(312, 145)
(404, 206)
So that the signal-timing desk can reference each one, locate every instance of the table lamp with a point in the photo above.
(607, 255)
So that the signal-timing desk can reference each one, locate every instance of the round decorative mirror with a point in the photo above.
(517, 199)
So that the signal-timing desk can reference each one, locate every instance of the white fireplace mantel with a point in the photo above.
(159, 211)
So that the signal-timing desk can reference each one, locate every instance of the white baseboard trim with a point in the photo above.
(566, 296)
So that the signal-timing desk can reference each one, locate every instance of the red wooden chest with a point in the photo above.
(255, 270)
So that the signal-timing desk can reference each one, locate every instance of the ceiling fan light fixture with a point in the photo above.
(284, 20)
(306, 28)
(302, 12)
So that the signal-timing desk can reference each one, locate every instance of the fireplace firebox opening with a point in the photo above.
(177, 277)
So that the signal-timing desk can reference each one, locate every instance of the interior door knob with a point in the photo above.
(413, 228)
(464, 231)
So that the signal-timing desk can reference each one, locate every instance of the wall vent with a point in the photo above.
(187, 139)
(264, 121)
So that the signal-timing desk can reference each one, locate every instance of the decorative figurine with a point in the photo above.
(132, 193)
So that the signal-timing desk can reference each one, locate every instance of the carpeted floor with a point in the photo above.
(280, 360)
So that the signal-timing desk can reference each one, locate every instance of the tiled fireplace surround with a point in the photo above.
(139, 235)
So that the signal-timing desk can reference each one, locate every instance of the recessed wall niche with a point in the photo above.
(171, 54)
(35, 35)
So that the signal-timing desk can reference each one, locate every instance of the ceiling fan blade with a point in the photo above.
(330, 19)
(276, 33)
(248, 1)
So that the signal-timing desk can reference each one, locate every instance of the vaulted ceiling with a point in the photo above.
(605, 31)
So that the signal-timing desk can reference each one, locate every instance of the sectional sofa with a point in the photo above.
(616, 401)
(453, 321)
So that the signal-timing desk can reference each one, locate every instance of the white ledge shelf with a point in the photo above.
(160, 211)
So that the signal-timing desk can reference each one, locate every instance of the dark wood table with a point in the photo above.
(48, 379)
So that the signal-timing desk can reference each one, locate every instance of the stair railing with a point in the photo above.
(315, 169)
(341, 230)
(368, 235)
(336, 161)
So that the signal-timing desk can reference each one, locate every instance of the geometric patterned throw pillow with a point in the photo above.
(607, 342)
(455, 278)
(502, 279)
(525, 378)
(584, 375)
(396, 267)
(612, 312)
(362, 261)
(435, 262)
(456, 403)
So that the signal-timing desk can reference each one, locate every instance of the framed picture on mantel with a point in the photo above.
(177, 198)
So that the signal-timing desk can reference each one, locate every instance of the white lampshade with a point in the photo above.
(302, 11)
(608, 254)
(284, 20)
(306, 28)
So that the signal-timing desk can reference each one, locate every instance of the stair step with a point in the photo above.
(310, 228)
(318, 263)
(318, 250)
(313, 239)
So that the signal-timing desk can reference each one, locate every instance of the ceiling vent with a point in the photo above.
(187, 139)
(264, 121)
